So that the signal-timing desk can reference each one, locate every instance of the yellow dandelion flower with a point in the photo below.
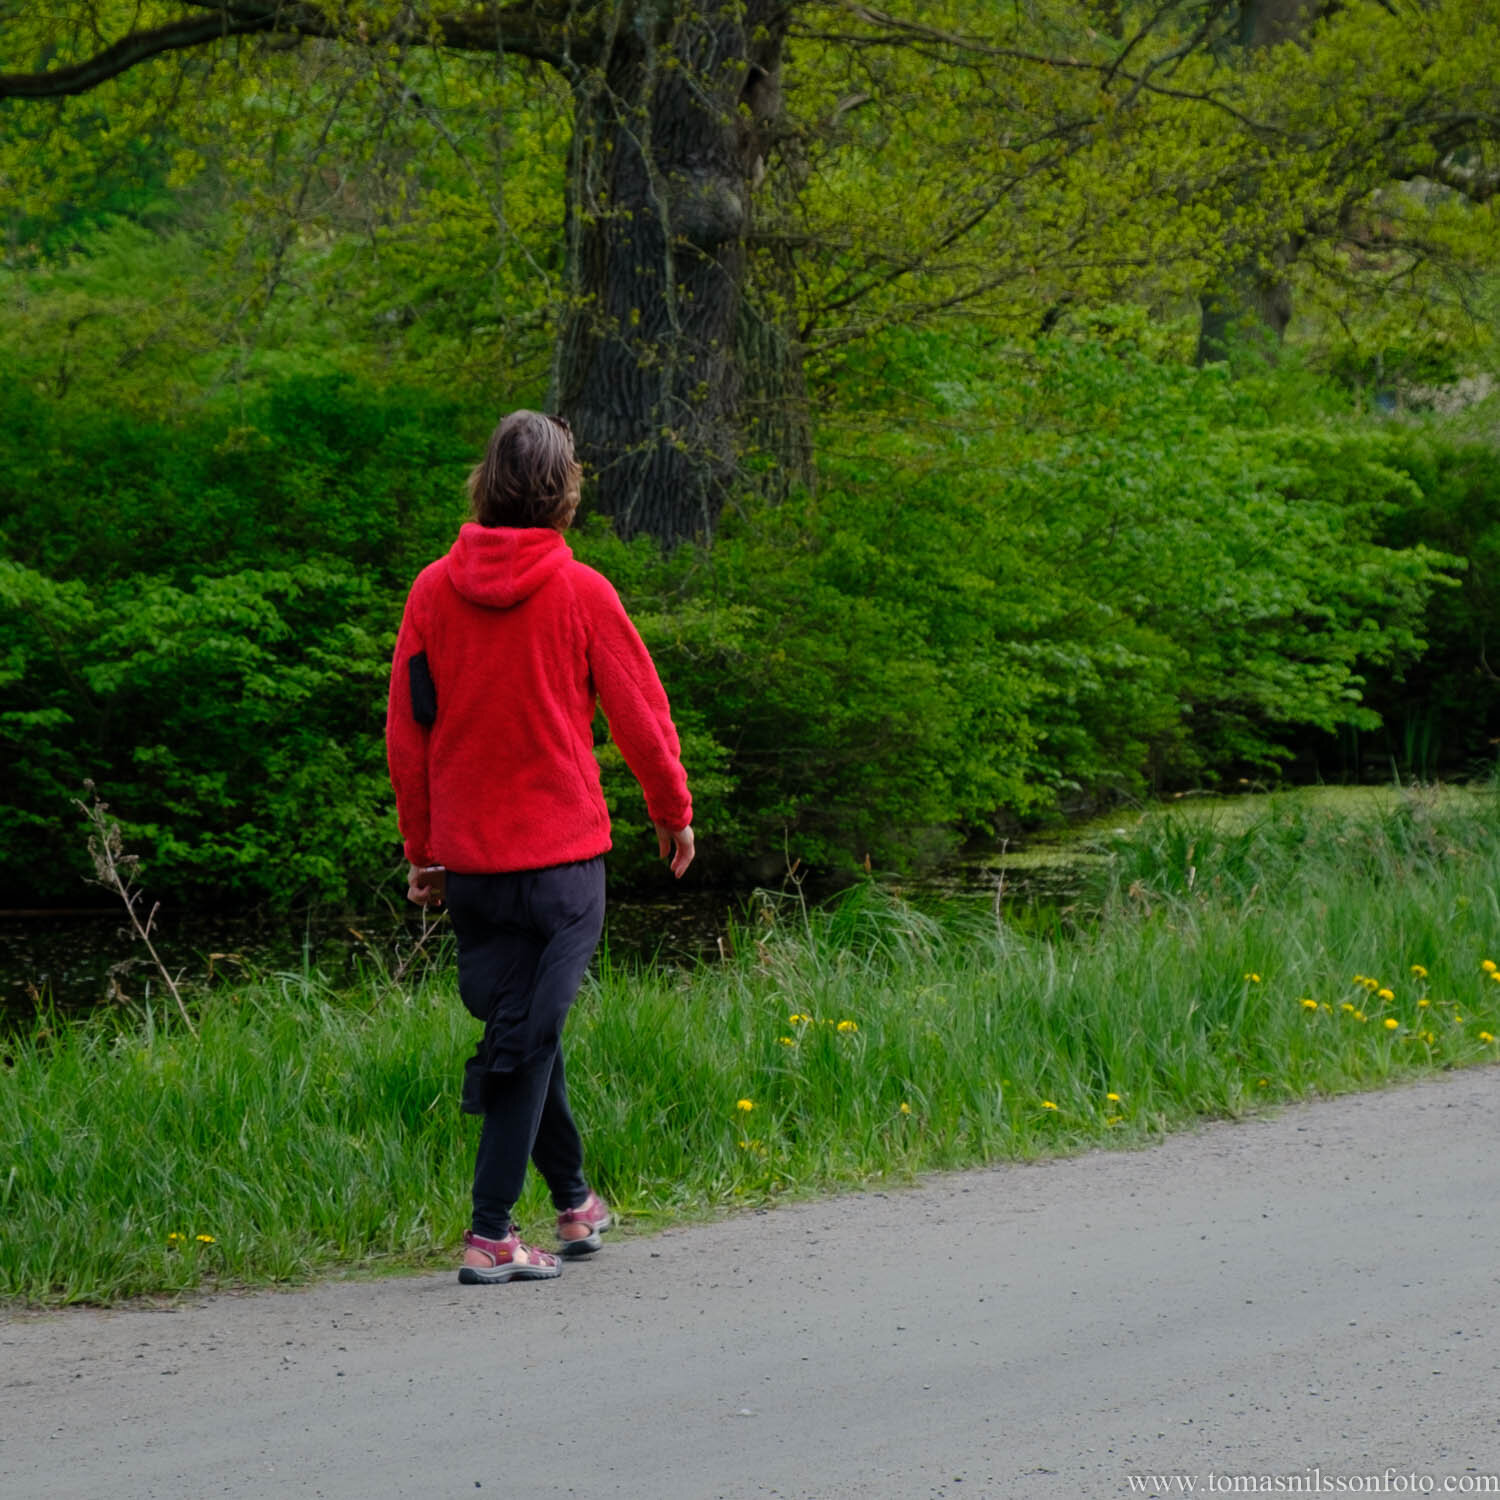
(1253, 978)
(905, 1107)
(173, 1238)
(1423, 1003)
(204, 1239)
(787, 1041)
(1359, 1015)
(1358, 979)
(1391, 1023)
(1263, 1083)
(798, 1020)
(1347, 1008)
(1495, 975)
(1458, 1020)
(746, 1105)
(1385, 994)
(847, 1026)
(1484, 1036)
(1371, 984)
(1419, 971)
(1429, 1037)
(1489, 966)
(1308, 1004)
(1048, 1104)
(1115, 1120)
(1326, 1006)
(1113, 1098)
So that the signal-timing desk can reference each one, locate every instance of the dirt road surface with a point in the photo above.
(1313, 1292)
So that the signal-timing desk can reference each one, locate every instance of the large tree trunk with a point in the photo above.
(1249, 306)
(667, 152)
(1247, 310)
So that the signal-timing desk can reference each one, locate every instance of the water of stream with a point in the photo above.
(79, 959)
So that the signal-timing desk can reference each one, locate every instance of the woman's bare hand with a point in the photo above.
(676, 845)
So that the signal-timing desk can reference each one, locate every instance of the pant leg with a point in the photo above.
(513, 1106)
(525, 942)
(498, 953)
(564, 905)
(558, 1149)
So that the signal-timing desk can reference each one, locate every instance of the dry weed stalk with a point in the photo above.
(116, 871)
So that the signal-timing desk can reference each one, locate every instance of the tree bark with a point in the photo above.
(1248, 308)
(1247, 311)
(668, 148)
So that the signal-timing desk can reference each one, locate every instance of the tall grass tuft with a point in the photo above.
(305, 1130)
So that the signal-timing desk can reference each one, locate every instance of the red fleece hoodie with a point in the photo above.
(514, 641)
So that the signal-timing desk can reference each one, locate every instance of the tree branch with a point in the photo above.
(947, 46)
(137, 47)
(523, 28)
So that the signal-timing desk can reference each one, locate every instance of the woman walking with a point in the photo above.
(505, 646)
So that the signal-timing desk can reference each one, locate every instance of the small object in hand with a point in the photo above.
(426, 885)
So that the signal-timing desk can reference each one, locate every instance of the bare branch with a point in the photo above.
(895, 31)
(541, 32)
(137, 47)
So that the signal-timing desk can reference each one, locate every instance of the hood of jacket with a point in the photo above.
(501, 565)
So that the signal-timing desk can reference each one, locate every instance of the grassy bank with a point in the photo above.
(1216, 969)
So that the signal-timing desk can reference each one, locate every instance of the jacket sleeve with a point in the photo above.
(634, 702)
(406, 739)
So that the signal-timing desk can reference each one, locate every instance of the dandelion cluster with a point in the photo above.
(798, 1019)
(1386, 996)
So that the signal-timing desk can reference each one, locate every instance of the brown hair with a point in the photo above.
(528, 475)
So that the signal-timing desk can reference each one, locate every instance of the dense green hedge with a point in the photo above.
(1023, 578)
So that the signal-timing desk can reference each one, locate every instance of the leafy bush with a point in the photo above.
(1442, 711)
(199, 618)
(1025, 578)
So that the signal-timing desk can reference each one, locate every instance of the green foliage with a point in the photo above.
(1026, 577)
(199, 619)
(1442, 711)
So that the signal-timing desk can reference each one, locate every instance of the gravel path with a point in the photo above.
(1308, 1293)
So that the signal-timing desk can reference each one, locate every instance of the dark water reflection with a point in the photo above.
(79, 959)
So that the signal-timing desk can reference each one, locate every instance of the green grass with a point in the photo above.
(306, 1130)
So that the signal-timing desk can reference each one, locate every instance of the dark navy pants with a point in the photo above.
(525, 940)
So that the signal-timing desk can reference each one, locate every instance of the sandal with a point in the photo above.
(578, 1229)
(510, 1260)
